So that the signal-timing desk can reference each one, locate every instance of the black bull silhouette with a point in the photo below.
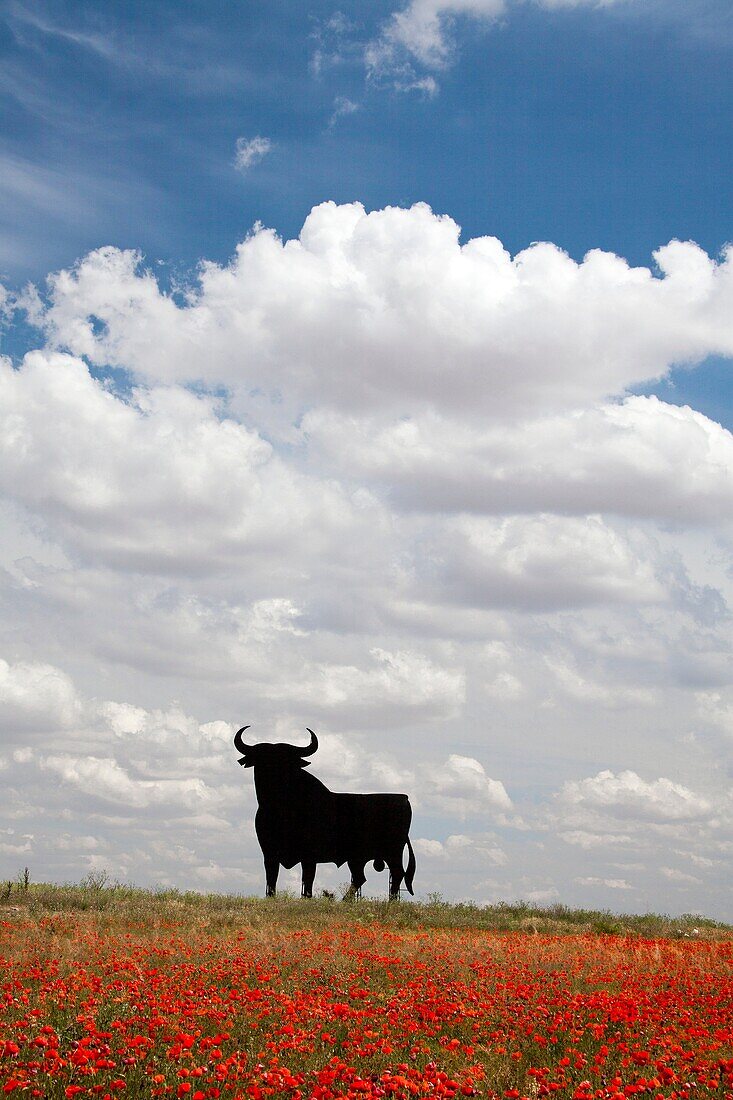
(300, 821)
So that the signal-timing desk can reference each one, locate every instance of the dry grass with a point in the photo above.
(115, 906)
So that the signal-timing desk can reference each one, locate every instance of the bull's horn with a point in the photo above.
(239, 744)
(312, 747)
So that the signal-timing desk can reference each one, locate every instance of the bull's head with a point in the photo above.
(274, 756)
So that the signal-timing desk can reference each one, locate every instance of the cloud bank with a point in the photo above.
(394, 485)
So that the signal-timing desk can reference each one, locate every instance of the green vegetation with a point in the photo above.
(117, 903)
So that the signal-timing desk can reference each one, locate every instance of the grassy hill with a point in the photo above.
(116, 903)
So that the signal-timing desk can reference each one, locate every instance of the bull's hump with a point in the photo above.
(379, 794)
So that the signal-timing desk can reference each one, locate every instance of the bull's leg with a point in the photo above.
(272, 869)
(396, 874)
(309, 873)
(358, 878)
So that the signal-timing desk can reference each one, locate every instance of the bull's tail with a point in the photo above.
(410, 872)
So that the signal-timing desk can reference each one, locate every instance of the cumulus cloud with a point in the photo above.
(36, 697)
(103, 778)
(389, 485)
(112, 747)
(462, 786)
(543, 562)
(638, 458)
(542, 896)
(157, 482)
(249, 151)
(15, 849)
(627, 795)
(404, 680)
(458, 846)
(119, 480)
(387, 310)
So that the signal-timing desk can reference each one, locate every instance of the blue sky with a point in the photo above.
(440, 502)
(591, 128)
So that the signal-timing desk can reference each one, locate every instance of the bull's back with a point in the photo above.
(334, 828)
(372, 822)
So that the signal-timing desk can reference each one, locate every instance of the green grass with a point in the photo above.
(113, 903)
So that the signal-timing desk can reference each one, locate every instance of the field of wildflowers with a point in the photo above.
(288, 1003)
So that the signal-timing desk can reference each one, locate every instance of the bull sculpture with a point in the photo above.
(299, 820)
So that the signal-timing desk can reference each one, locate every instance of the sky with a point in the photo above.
(367, 367)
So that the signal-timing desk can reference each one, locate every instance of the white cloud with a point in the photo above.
(504, 686)
(67, 842)
(607, 883)
(405, 680)
(158, 482)
(249, 151)
(421, 31)
(342, 108)
(414, 517)
(588, 841)
(627, 795)
(542, 895)
(428, 847)
(696, 858)
(112, 747)
(638, 458)
(461, 786)
(543, 562)
(105, 779)
(36, 697)
(459, 847)
(15, 849)
(388, 311)
(674, 875)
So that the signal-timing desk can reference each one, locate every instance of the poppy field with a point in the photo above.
(100, 1007)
